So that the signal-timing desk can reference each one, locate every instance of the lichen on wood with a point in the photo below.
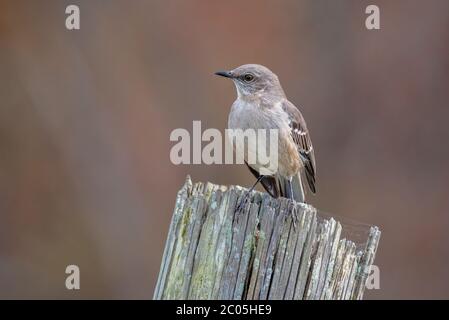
(271, 249)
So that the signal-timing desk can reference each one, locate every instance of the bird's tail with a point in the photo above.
(292, 189)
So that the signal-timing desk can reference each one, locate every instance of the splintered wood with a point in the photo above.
(271, 249)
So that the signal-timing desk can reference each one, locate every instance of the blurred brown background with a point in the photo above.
(85, 119)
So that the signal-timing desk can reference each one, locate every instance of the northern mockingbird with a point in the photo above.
(261, 104)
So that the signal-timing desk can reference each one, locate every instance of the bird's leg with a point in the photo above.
(290, 185)
(290, 195)
(245, 197)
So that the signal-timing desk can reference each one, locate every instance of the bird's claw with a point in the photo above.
(242, 202)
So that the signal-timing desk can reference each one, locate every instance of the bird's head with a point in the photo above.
(253, 80)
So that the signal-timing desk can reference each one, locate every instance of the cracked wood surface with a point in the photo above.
(272, 249)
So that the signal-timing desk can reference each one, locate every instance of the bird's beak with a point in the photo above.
(226, 74)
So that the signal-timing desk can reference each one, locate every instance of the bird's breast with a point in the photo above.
(245, 115)
(240, 115)
(254, 115)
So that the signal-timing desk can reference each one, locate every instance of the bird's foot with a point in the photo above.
(242, 202)
(294, 218)
(248, 193)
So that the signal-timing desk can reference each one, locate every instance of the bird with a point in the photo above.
(261, 103)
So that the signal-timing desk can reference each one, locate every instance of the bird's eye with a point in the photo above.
(248, 77)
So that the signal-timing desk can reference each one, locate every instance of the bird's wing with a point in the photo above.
(301, 137)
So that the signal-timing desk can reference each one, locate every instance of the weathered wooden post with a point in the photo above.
(273, 249)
